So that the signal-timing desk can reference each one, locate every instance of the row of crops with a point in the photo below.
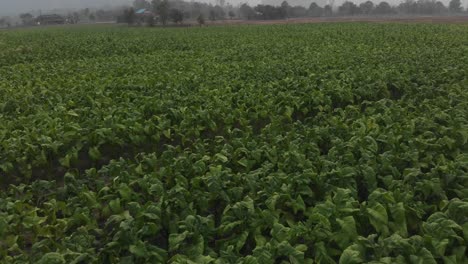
(331, 143)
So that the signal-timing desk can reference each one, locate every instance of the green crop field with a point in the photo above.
(326, 143)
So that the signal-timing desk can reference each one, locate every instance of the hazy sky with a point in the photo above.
(9, 7)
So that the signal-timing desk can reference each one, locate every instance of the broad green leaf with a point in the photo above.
(94, 153)
(52, 258)
(175, 240)
(221, 157)
(350, 256)
(378, 218)
(139, 250)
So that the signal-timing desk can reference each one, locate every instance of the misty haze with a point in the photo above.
(18, 6)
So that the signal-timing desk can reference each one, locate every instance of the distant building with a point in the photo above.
(144, 13)
(52, 19)
(145, 16)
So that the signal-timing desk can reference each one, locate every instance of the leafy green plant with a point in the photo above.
(330, 143)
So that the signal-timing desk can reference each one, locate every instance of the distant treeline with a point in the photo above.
(144, 12)
(85, 15)
(177, 10)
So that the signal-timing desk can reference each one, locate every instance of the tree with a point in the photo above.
(455, 6)
(268, 12)
(86, 12)
(176, 15)
(26, 18)
(150, 21)
(212, 15)
(328, 10)
(285, 9)
(440, 7)
(196, 9)
(246, 11)
(231, 14)
(348, 9)
(162, 9)
(141, 4)
(366, 7)
(92, 17)
(75, 17)
(5, 21)
(408, 7)
(154, 5)
(129, 16)
(315, 10)
(383, 8)
(201, 20)
(219, 12)
(103, 15)
(298, 11)
(429, 7)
